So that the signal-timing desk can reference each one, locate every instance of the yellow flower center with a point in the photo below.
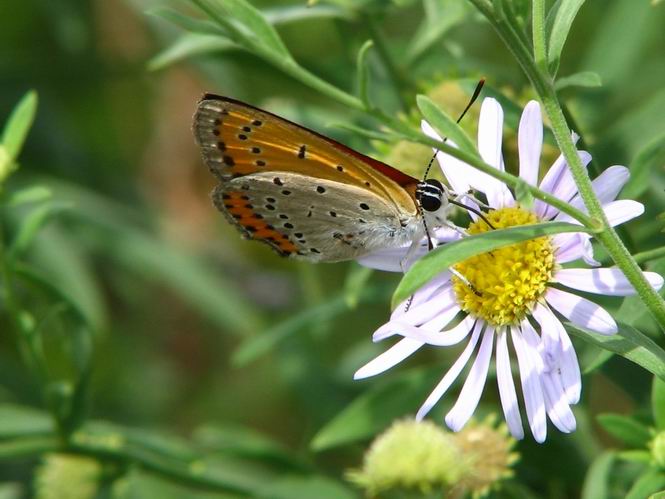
(507, 281)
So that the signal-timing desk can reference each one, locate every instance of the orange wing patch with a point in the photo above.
(236, 205)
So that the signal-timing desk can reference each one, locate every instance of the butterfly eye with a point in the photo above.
(430, 203)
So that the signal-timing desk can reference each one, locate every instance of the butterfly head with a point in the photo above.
(432, 195)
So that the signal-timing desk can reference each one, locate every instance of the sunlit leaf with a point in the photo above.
(32, 224)
(624, 428)
(652, 480)
(18, 125)
(563, 20)
(252, 24)
(447, 255)
(188, 45)
(597, 480)
(362, 69)
(190, 24)
(658, 402)
(584, 79)
(16, 421)
(27, 195)
(444, 124)
(628, 343)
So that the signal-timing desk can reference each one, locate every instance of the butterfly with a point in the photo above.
(306, 195)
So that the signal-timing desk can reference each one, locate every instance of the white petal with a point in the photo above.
(490, 133)
(469, 397)
(609, 183)
(618, 212)
(416, 330)
(581, 311)
(530, 142)
(394, 355)
(451, 375)
(557, 406)
(531, 389)
(456, 172)
(606, 281)
(439, 301)
(422, 295)
(440, 338)
(507, 392)
(559, 182)
(558, 355)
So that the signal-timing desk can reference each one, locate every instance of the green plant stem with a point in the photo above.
(538, 33)
(607, 236)
(649, 255)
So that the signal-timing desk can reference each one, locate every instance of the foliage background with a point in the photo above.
(201, 335)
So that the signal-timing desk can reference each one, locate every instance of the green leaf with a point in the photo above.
(376, 409)
(636, 456)
(649, 482)
(253, 26)
(246, 443)
(366, 132)
(362, 69)
(444, 124)
(651, 156)
(27, 195)
(594, 359)
(597, 480)
(447, 255)
(188, 45)
(584, 79)
(32, 224)
(18, 125)
(563, 20)
(628, 343)
(262, 343)
(187, 23)
(658, 402)
(305, 487)
(624, 428)
(296, 13)
(21, 421)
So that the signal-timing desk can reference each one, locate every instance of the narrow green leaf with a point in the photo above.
(365, 132)
(651, 481)
(590, 363)
(561, 26)
(635, 456)
(658, 402)
(296, 13)
(21, 421)
(188, 45)
(628, 343)
(597, 480)
(189, 24)
(444, 124)
(447, 255)
(376, 409)
(31, 194)
(253, 25)
(265, 341)
(624, 428)
(18, 125)
(650, 157)
(584, 79)
(362, 69)
(32, 224)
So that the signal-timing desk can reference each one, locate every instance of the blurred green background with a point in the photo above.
(194, 328)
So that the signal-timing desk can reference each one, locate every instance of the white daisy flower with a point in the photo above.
(514, 297)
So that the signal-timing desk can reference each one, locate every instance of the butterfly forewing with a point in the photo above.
(298, 191)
